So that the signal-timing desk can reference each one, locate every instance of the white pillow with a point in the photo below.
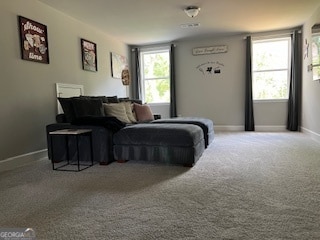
(117, 110)
(129, 110)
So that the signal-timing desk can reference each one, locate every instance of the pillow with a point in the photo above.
(143, 112)
(130, 100)
(123, 99)
(67, 107)
(129, 111)
(61, 118)
(112, 99)
(117, 110)
(88, 107)
(102, 98)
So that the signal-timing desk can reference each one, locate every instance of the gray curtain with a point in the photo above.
(173, 104)
(249, 118)
(135, 80)
(294, 101)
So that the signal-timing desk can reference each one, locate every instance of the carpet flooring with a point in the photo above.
(245, 186)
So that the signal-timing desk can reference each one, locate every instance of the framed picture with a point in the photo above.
(89, 55)
(33, 40)
(118, 63)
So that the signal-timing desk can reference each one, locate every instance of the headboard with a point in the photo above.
(65, 90)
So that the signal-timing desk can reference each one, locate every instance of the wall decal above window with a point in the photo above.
(210, 68)
(210, 50)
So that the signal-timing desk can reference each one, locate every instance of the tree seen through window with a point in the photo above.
(270, 68)
(156, 76)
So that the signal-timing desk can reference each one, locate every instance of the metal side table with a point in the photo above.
(68, 133)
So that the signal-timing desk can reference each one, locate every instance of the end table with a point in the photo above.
(68, 133)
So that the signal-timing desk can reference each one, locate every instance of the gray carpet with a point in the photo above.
(245, 186)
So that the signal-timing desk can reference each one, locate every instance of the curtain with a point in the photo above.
(136, 81)
(173, 104)
(249, 118)
(294, 101)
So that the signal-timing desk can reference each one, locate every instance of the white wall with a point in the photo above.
(27, 89)
(310, 88)
(221, 97)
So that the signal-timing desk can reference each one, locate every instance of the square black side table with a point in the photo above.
(77, 133)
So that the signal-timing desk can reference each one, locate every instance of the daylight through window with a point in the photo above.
(271, 68)
(155, 76)
(316, 55)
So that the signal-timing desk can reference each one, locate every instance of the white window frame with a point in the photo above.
(274, 39)
(143, 78)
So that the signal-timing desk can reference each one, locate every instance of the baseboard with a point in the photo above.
(228, 128)
(270, 128)
(21, 160)
(312, 134)
(258, 128)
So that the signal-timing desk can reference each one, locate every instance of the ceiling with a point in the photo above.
(141, 22)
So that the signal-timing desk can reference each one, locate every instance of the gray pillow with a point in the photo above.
(67, 107)
(88, 107)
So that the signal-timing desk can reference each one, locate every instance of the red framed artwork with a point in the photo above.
(33, 40)
(89, 55)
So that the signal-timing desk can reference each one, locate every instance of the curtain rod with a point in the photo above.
(272, 35)
(153, 46)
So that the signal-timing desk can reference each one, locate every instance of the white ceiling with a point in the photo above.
(139, 22)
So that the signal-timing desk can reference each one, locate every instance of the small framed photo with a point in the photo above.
(33, 40)
(89, 55)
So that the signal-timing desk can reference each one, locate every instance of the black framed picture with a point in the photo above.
(89, 55)
(33, 40)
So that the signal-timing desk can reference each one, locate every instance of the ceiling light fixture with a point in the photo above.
(192, 11)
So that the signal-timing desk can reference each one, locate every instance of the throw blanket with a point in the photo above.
(110, 123)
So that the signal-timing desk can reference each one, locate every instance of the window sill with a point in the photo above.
(271, 101)
(158, 104)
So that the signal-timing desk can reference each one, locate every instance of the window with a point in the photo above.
(316, 52)
(155, 76)
(271, 68)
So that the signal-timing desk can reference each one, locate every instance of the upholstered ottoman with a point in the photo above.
(205, 123)
(165, 143)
